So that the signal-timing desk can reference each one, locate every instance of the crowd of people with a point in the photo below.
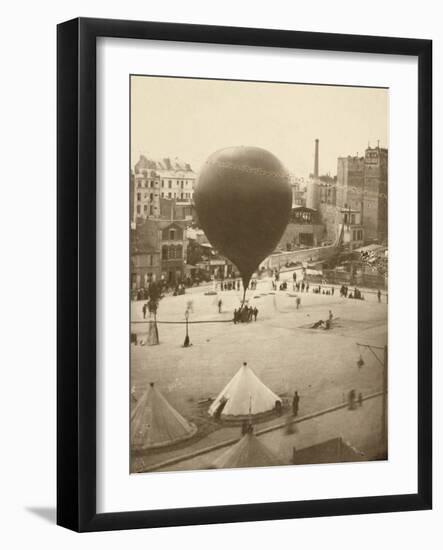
(245, 314)
(326, 291)
(228, 285)
(234, 285)
(301, 286)
(357, 295)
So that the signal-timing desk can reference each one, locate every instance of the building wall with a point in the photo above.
(154, 180)
(350, 182)
(173, 246)
(159, 248)
(144, 268)
(302, 234)
(375, 196)
(330, 217)
(362, 184)
(147, 190)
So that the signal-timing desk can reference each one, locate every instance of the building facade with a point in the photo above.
(145, 254)
(303, 230)
(173, 244)
(375, 201)
(157, 179)
(158, 252)
(362, 184)
(298, 188)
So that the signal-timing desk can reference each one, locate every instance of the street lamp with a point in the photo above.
(186, 343)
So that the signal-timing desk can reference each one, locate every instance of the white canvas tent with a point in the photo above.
(245, 395)
(155, 423)
(249, 452)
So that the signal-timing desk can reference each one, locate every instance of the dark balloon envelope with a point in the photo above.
(243, 201)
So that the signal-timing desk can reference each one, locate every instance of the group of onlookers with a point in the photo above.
(245, 314)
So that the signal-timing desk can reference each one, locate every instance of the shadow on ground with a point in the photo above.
(46, 513)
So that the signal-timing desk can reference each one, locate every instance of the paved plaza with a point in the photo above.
(281, 348)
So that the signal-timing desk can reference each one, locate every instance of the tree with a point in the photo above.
(154, 297)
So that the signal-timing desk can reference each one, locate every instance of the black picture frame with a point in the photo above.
(76, 279)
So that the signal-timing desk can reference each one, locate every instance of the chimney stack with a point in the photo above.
(316, 160)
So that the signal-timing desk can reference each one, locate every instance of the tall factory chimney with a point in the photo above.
(316, 160)
(313, 188)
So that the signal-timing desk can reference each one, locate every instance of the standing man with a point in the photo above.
(298, 302)
(144, 311)
(295, 403)
(379, 296)
(220, 303)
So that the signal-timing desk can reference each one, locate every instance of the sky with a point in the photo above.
(191, 119)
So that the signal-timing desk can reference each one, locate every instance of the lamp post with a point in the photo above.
(384, 364)
(186, 343)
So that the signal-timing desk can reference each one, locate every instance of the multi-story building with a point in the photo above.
(303, 230)
(353, 233)
(350, 182)
(157, 179)
(159, 246)
(362, 184)
(173, 244)
(145, 254)
(298, 188)
(375, 200)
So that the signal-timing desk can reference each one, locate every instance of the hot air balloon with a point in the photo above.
(243, 201)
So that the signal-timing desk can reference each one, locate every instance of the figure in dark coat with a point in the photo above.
(295, 403)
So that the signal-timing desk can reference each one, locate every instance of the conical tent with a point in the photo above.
(245, 395)
(155, 423)
(249, 452)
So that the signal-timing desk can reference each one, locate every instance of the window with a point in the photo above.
(151, 210)
(172, 234)
(139, 209)
(170, 195)
(151, 197)
(139, 197)
(170, 184)
(179, 251)
(163, 183)
(163, 195)
(145, 208)
(164, 252)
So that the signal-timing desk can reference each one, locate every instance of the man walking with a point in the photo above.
(220, 303)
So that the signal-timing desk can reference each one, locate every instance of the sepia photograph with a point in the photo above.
(258, 274)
